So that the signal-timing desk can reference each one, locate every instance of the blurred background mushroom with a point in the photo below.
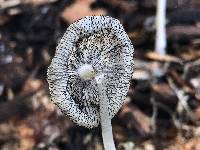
(161, 41)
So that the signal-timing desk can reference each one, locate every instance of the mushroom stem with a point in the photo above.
(106, 125)
(160, 44)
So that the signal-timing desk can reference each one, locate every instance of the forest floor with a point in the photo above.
(162, 110)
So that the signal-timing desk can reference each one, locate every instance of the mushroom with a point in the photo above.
(90, 72)
(161, 40)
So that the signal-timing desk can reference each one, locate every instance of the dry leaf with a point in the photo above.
(80, 9)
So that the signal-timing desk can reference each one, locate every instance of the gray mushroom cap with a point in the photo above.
(101, 42)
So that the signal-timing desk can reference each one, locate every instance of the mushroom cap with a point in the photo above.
(101, 42)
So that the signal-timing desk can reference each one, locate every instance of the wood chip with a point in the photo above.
(32, 85)
(180, 30)
(165, 58)
(190, 55)
(163, 89)
(134, 118)
(26, 137)
(127, 6)
(4, 19)
(193, 144)
(141, 75)
(40, 2)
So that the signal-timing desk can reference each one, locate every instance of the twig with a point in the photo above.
(161, 40)
(182, 103)
(154, 114)
(175, 120)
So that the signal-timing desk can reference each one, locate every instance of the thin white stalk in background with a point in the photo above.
(160, 44)
(106, 125)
